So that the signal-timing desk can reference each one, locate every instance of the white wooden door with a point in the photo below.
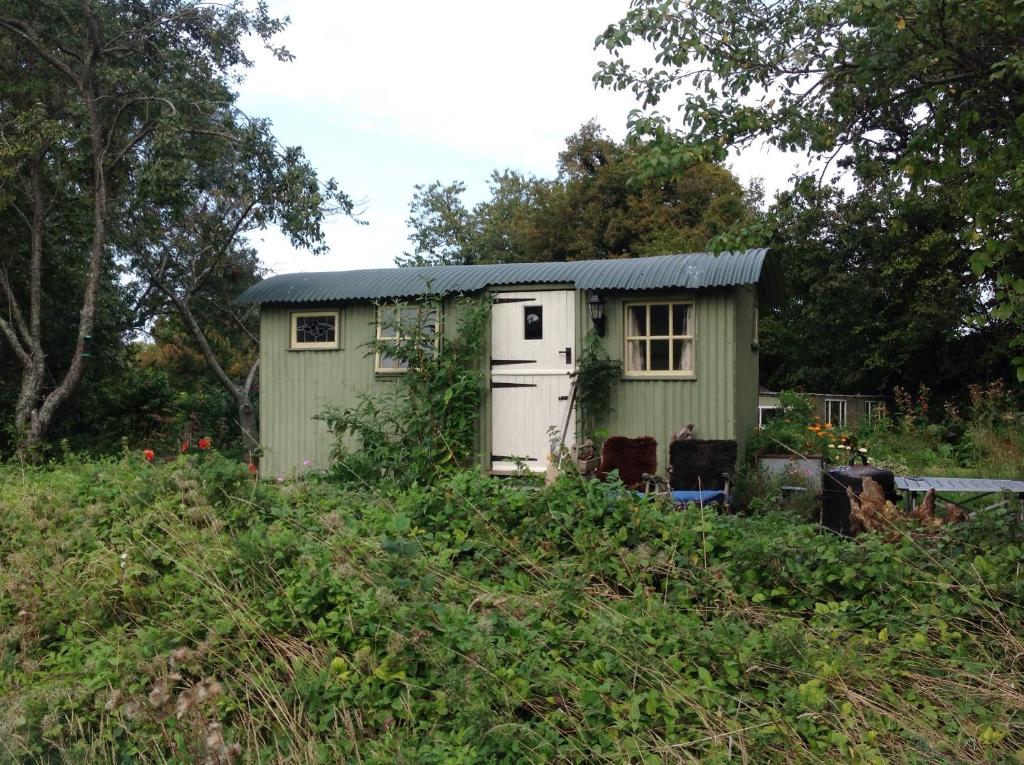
(533, 342)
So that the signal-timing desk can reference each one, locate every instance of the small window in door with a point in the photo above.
(533, 322)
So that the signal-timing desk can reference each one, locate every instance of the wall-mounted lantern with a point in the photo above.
(596, 306)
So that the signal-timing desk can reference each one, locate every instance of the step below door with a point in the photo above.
(533, 341)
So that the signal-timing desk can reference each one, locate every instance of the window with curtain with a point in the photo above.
(659, 339)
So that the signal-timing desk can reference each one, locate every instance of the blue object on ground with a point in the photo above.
(707, 497)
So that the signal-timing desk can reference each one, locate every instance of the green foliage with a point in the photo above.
(920, 94)
(144, 607)
(795, 429)
(920, 439)
(877, 295)
(125, 152)
(428, 424)
(594, 377)
(599, 206)
(916, 438)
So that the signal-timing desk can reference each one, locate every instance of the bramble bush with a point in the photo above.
(184, 612)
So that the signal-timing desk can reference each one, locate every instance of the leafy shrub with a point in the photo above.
(594, 377)
(428, 424)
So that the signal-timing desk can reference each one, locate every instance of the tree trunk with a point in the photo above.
(36, 412)
(249, 422)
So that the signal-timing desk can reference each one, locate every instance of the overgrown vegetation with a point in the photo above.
(428, 423)
(986, 438)
(183, 613)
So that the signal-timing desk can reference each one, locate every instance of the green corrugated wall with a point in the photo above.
(747, 367)
(658, 408)
(296, 385)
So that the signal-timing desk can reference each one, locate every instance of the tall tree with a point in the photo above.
(602, 204)
(190, 249)
(124, 156)
(89, 90)
(879, 294)
(929, 92)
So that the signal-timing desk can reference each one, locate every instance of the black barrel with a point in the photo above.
(835, 504)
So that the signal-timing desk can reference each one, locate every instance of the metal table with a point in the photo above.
(981, 487)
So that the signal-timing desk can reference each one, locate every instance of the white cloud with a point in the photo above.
(388, 95)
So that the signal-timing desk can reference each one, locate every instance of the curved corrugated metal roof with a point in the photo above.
(690, 271)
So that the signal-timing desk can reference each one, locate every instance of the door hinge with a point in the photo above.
(568, 355)
(512, 385)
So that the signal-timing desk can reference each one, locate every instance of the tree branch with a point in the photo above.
(19, 327)
(25, 33)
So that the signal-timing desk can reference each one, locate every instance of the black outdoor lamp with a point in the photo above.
(596, 306)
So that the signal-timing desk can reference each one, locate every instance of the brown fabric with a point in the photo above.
(632, 457)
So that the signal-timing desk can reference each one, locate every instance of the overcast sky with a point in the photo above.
(384, 96)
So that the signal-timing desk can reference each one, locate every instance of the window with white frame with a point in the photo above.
(659, 339)
(314, 330)
(395, 324)
(766, 414)
(835, 411)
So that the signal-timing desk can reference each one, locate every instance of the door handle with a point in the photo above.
(568, 355)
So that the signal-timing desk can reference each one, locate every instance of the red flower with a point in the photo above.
(184, 446)
(149, 454)
(252, 468)
(205, 443)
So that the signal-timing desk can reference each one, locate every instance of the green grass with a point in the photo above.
(182, 614)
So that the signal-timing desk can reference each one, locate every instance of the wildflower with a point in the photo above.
(253, 469)
(160, 694)
(205, 443)
(306, 463)
(148, 454)
(831, 446)
(862, 450)
(280, 478)
(184, 446)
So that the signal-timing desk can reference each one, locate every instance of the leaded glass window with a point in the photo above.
(314, 330)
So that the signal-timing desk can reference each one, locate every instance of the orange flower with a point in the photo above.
(205, 442)
(184, 446)
(252, 468)
(149, 454)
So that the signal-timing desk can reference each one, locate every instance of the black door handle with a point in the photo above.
(568, 355)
